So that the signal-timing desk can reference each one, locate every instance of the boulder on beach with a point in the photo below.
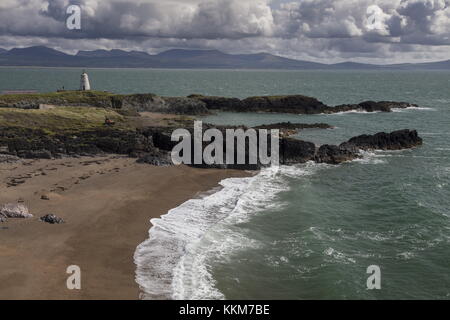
(52, 219)
(14, 210)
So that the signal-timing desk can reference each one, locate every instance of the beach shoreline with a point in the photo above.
(107, 203)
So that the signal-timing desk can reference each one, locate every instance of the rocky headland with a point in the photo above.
(193, 104)
(297, 104)
(73, 124)
(294, 151)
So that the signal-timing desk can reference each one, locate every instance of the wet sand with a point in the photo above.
(107, 203)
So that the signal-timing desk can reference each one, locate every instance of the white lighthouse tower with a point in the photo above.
(84, 82)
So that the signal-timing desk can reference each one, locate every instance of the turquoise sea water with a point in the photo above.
(308, 231)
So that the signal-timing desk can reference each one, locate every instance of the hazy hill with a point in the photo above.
(181, 58)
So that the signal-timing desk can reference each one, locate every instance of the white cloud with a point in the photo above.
(308, 29)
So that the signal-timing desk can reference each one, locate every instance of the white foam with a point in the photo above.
(412, 108)
(192, 277)
(174, 262)
(338, 256)
(359, 111)
(370, 157)
(183, 245)
(157, 257)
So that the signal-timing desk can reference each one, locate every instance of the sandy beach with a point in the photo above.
(107, 203)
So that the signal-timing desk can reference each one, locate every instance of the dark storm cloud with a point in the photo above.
(303, 29)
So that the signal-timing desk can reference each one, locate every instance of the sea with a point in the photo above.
(308, 231)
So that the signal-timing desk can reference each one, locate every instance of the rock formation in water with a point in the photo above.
(153, 145)
(397, 140)
(193, 104)
(294, 126)
(296, 104)
(294, 151)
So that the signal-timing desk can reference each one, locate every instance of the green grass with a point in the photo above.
(60, 119)
(69, 96)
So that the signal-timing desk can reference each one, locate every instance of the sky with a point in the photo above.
(328, 31)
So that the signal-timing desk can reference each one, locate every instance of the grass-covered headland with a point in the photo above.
(76, 123)
(88, 123)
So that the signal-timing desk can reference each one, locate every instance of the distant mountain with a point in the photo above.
(441, 65)
(187, 54)
(115, 53)
(35, 52)
(35, 56)
(182, 58)
(355, 66)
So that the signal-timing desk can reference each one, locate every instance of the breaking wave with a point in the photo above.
(174, 262)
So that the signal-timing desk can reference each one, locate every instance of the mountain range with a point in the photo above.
(41, 56)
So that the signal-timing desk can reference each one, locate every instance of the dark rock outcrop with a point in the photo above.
(371, 106)
(331, 154)
(51, 218)
(397, 140)
(284, 104)
(153, 145)
(162, 138)
(38, 144)
(288, 129)
(347, 151)
(153, 103)
(220, 103)
(294, 126)
(297, 104)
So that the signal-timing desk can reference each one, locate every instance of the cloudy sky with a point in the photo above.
(377, 31)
